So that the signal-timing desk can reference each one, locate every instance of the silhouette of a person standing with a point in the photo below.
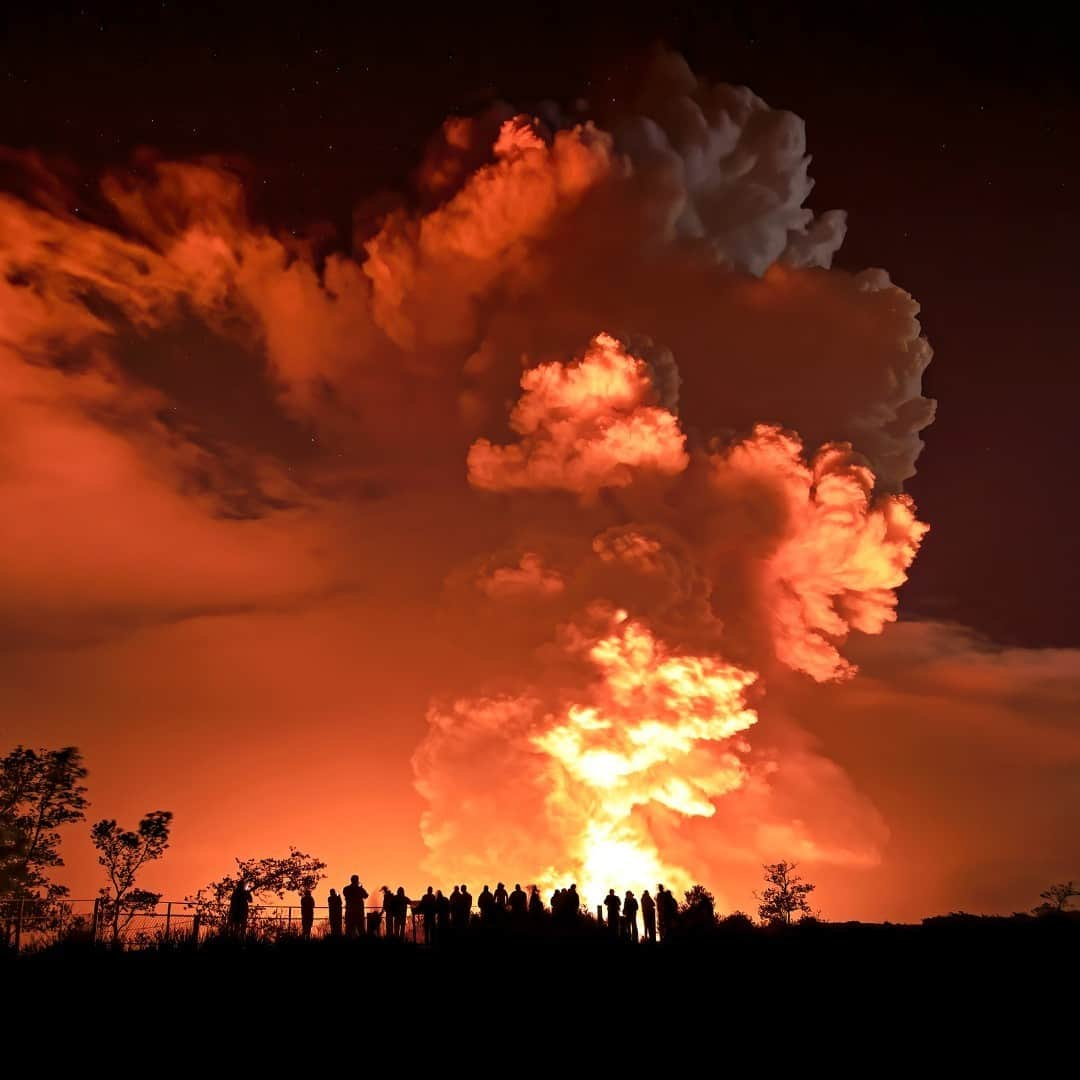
(442, 913)
(536, 905)
(401, 911)
(333, 913)
(572, 902)
(648, 916)
(667, 910)
(387, 911)
(239, 902)
(466, 907)
(427, 907)
(307, 913)
(355, 894)
(519, 903)
(612, 903)
(500, 897)
(629, 910)
(486, 903)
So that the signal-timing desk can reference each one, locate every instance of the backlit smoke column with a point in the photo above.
(684, 434)
(635, 717)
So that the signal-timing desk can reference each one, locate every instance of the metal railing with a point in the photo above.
(34, 924)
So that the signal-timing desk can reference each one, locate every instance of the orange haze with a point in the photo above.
(551, 531)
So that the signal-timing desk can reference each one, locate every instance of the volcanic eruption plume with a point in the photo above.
(590, 430)
(643, 720)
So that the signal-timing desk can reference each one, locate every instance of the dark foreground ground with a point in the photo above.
(946, 954)
(963, 994)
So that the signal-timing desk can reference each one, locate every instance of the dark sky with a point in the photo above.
(952, 141)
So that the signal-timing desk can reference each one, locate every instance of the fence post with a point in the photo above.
(289, 928)
(168, 919)
(94, 921)
(195, 921)
(19, 922)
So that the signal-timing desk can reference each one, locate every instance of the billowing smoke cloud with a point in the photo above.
(583, 427)
(620, 735)
(528, 578)
(595, 406)
(653, 733)
(838, 556)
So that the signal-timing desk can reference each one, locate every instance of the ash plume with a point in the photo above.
(596, 406)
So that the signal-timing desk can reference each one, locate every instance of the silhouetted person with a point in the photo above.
(486, 903)
(307, 913)
(387, 910)
(536, 905)
(558, 908)
(333, 912)
(401, 911)
(466, 907)
(355, 894)
(427, 907)
(500, 897)
(672, 911)
(442, 913)
(239, 903)
(629, 910)
(667, 908)
(648, 916)
(519, 903)
(572, 902)
(612, 903)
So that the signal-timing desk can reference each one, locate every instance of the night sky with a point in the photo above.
(952, 142)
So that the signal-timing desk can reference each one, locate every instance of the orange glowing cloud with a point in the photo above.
(428, 275)
(838, 554)
(652, 731)
(632, 617)
(584, 426)
(635, 733)
(657, 732)
(529, 578)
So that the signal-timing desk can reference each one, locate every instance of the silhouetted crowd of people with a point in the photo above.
(438, 915)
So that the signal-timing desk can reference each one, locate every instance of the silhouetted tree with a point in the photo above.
(698, 912)
(1057, 898)
(271, 876)
(738, 922)
(124, 853)
(785, 894)
(699, 898)
(40, 790)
